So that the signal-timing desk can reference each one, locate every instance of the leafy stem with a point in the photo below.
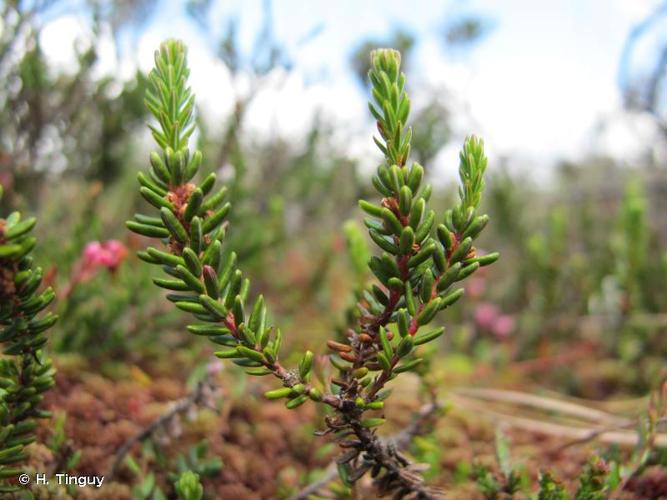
(25, 372)
(416, 270)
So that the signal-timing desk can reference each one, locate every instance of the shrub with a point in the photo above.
(420, 263)
(25, 373)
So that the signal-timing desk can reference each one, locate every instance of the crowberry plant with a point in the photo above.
(25, 372)
(423, 256)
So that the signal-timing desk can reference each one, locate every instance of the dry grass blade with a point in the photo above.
(558, 406)
(608, 433)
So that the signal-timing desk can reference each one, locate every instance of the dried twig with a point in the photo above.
(197, 397)
(330, 473)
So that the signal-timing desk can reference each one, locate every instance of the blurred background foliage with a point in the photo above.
(583, 255)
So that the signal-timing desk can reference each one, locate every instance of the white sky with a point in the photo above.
(535, 88)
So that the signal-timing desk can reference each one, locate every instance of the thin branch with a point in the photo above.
(330, 473)
(400, 441)
(404, 438)
(635, 34)
(195, 398)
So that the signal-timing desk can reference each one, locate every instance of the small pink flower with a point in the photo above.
(503, 326)
(486, 314)
(108, 254)
(91, 251)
